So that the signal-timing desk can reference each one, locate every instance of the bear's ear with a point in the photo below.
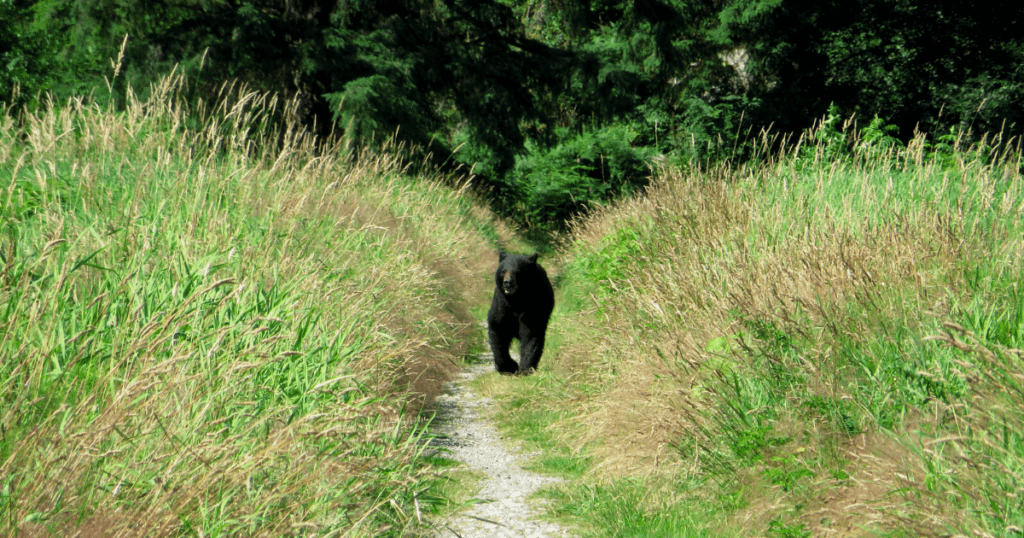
(533, 258)
(501, 255)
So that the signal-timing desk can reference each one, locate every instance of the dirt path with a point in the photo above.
(465, 429)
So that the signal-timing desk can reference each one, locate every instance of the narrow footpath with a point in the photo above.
(504, 510)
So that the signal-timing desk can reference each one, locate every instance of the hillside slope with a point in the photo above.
(213, 324)
(825, 343)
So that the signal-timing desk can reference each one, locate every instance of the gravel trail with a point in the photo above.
(464, 428)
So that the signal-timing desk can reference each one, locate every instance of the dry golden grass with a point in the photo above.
(723, 276)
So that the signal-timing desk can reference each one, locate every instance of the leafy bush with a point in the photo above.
(580, 173)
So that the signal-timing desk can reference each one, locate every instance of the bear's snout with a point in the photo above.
(508, 284)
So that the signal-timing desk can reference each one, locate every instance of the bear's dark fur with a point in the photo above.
(522, 304)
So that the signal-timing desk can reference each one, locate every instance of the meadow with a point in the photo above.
(824, 340)
(213, 324)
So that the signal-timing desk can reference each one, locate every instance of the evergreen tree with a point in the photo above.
(555, 104)
(28, 54)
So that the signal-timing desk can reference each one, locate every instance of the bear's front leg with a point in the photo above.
(499, 348)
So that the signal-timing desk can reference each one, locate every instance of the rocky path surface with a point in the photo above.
(464, 428)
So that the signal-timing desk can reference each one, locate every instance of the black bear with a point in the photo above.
(522, 304)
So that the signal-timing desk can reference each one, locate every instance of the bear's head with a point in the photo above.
(514, 270)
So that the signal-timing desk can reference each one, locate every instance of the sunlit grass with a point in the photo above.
(213, 324)
(835, 326)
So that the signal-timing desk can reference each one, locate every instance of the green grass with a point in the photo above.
(623, 509)
(208, 328)
(586, 502)
(830, 327)
(525, 415)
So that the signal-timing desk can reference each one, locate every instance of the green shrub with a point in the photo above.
(580, 173)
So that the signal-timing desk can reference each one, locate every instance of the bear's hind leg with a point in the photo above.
(531, 346)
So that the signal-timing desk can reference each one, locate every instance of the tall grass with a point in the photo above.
(212, 323)
(834, 332)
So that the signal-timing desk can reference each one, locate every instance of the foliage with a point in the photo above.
(28, 55)
(505, 88)
(579, 173)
